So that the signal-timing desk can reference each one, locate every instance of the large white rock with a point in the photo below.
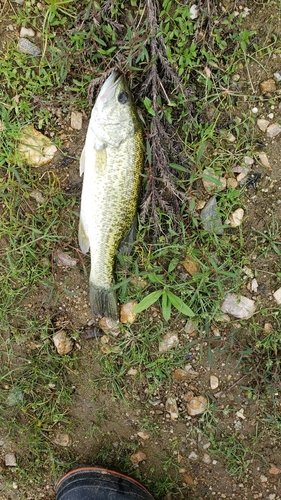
(197, 405)
(239, 306)
(35, 148)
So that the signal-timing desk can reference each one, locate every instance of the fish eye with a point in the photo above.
(123, 97)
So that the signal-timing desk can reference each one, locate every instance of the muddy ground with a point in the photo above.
(104, 428)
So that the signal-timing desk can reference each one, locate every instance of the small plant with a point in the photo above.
(168, 299)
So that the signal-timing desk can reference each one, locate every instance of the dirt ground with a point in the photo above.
(103, 425)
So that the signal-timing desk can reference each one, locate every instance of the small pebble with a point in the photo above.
(62, 439)
(248, 160)
(38, 196)
(108, 325)
(137, 457)
(267, 86)
(191, 265)
(254, 286)
(277, 76)
(231, 137)
(277, 296)
(64, 344)
(236, 218)
(264, 159)
(132, 371)
(240, 414)
(231, 183)
(262, 124)
(274, 470)
(10, 460)
(194, 11)
(191, 327)
(197, 405)
(172, 408)
(255, 110)
(26, 32)
(273, 130)
(206, 459)
(214, 382)
(169, 341)
(76, 120)
(126, 312)
(212, 181)
(143, 435)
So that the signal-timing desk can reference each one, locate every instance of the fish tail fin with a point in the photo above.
(103, 302)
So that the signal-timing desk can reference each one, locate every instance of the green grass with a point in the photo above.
(79, 43)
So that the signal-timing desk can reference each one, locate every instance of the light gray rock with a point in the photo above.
(212, 182)
(262, 124)
(76, 120)
(277, 296)
(273, 130)
(277, 75)
(62, 439)
(26, 32)
(172, 408)
(197, 405)
(236, 218)
(210, 218)
(239, 306)
(64, 344)
(206, 458)
(15, 397)
(10, 460)
(169, 341)
(27, 47)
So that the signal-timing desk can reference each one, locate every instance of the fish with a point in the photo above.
(111, 163)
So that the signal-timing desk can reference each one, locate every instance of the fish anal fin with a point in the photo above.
(83, 238)
(103, 302)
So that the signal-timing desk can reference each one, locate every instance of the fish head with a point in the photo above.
(113, 117)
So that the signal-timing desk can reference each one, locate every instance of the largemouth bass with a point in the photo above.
(111, 162)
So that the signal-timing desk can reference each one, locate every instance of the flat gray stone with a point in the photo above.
(273, 130)
(27, 47)
(10, 460)
(210, 218)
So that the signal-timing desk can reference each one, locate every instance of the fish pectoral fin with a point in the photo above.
(82, 162)
(103, 302)
(101, 161)
(83, 238)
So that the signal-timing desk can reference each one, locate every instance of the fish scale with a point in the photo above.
(111, 162)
